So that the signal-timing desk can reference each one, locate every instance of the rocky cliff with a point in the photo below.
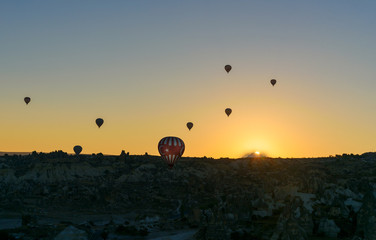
(138, 197)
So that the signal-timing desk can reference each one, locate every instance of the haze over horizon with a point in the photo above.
(148, 68)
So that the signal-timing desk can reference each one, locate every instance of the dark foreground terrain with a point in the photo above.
(56, 196)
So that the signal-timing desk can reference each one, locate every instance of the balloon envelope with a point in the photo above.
(228, 68)
(27, 100)
(189, 125)
(228, 111)
(99, 122)
(171, 149)
(77, 149)
(273, 82)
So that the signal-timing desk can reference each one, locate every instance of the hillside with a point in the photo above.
(138, 197)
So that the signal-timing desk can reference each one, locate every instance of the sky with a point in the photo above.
(149, 67)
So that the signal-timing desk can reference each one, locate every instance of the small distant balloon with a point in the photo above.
(77, 149)
(27, 100)
(189, 125)
(228, 68)
(228, 111)
(171, 149)
(99, 122)
(273, 82)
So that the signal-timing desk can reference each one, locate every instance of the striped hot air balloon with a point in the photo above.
(171, 149)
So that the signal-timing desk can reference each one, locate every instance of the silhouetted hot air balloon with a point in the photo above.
(228, 111)
(27, 100)
(171, 149)
(228, 68)
(189, 125)
(77, 149)
(99, 122)
(273, 82)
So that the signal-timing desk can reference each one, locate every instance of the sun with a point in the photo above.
(257, 153)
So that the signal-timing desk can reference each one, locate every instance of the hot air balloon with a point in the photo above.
(228, 68)
(273, 82)
(228, 111)
(99, 122)
(27, 100)
(189, 125)
(77, 149)
(171, 149)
